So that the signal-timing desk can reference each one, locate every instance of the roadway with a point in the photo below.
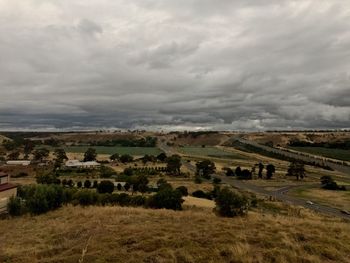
(279, 194)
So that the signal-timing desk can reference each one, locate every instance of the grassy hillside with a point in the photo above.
(116, 234)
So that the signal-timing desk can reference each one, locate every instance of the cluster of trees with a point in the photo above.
(296, 169)
(142, 142)
(143, 170)
(246, 174)
(38, 199)
(328, 183)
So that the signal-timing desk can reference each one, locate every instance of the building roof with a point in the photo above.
(2, 174)
(4, 187)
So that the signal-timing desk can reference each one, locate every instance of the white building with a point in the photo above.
(18, 162)
(6, 191)
(79, 164)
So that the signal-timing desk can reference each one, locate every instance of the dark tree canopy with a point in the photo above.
(174, 164)
(90, 155)
(205, 168)
(296, 169)
(270, 170)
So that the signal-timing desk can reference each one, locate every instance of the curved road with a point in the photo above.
(280, 194)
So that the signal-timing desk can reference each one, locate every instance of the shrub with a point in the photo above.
(183, 190)
(229, 203)
(106, 172)
(201, 194)
(105, 187)
(87, 184)
(216, 180)
(85, 197)
(14, 206)
(166, 198)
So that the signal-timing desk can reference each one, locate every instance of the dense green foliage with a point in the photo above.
(230, 203)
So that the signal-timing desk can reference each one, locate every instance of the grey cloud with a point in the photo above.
(188, 63)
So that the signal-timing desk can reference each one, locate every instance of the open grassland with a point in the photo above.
(339, 199)
(339, 154)
(116, 234)
(113, 149)
(209, 152)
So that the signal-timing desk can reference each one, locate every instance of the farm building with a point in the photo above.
(18, 162)
(6, 190)
(78, 164)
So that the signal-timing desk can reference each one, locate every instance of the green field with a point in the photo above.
(339, 154)
(209, 151)
(112, 150)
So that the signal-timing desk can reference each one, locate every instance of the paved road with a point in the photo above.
(280, 194)
(303, 157)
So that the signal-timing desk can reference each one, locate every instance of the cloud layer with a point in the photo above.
(245, 64)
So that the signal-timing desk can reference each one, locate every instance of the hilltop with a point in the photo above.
(119, 234)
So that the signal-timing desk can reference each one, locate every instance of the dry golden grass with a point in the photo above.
(340, 199)
(191, 201)
(116, 234)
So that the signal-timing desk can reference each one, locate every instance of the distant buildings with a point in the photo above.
(79, 164)
(6, 191)
(18, 162)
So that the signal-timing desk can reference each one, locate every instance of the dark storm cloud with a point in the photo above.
(245, 64)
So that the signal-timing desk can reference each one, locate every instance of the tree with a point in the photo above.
(205, 168)
(126, 158)
(79, 184)
(128, 171)
(90, 155)
(106, 171)
(14, 206)
(183, 190)
(95, 184)
(270, 170)
(41, 154)
(230, 204)
(127, 186)
(114, 157)
(238, 171)
(174, 164)
(296, 169)
(60, 157)
(87, 184)
(245, 175)
(13, 156)
(261, 168)
(216, 180)
(119, 187)
(105, 187)
(229, 171)
(166, 198)
(161, 157)
(139, 183)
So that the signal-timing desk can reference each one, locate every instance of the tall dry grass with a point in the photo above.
(117, 234)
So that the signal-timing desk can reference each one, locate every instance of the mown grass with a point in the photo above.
(339, 154)
(209, 152)
(116, 234)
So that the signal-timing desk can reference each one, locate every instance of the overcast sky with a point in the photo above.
(243, 64)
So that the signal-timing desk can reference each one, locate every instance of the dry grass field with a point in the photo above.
(117, 234)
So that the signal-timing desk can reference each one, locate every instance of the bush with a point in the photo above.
(183, 190)
(105, 187)
(85, 197)
(201, 194)
(14, 206)
(87, 184)
(230, 204)
(216, 180)
(166, 198)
